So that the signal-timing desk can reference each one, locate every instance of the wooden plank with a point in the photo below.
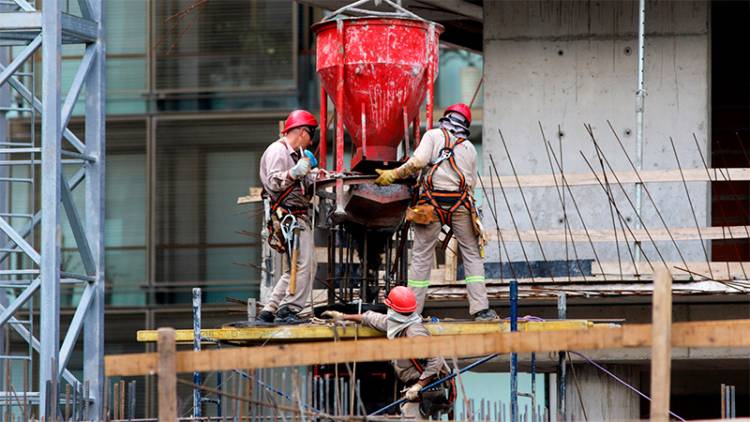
(661, 349)
(451, 261)
(608, 235)
(588, 179)
(626, 177)
(729, 333)
(167, 370)
(254, 196)
(309, 332)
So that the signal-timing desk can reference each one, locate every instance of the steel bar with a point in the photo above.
(11, 308)
(642, 184)
(36, 345)
(93, 341)
(562, 309)
(575, 205)
(561, 197)
(609, 195)
(640, 100)
(76, 226)
(512, 219)
(692, 208)
(50, 203)
(493, 211)
(602, 159)
(197, 347)
(76, 86)
(20, 58)
(514, 356)
(76, 324)
(648, 233)
(37, 104)
(24, 5)
(523, 198)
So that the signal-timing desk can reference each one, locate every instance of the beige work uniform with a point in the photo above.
(404, 368)
(275, 164)
(426, 235)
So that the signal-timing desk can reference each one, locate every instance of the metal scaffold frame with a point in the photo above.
(48, 28)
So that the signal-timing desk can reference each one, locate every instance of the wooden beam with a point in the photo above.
(729, 333)
(311, 332)
(626, 177)
(608, 235)
(167, 370)
(588, 179)
(661, 345)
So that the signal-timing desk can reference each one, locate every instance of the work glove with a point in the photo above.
(386, 177)
(300, 169)
(412, 393)
(334, 315)
(319, 173)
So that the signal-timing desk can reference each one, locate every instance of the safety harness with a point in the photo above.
(446, 202)
(278, 238)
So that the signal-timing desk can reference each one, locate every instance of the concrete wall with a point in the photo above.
(567, 63)
(602, 398)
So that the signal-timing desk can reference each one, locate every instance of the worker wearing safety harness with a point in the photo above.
(402, 320)
(445, 199)
(286, 175)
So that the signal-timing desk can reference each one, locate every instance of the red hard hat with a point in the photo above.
(299, 118)
(461, 109)
(402, 300)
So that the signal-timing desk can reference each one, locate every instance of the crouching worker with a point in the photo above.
(402, 321)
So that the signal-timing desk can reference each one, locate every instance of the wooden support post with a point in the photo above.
(451, 261)
(661, 345)
(167, 374)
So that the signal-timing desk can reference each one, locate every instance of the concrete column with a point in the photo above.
(603, 398)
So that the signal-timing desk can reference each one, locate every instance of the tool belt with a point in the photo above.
(439, 398)
(276, 238)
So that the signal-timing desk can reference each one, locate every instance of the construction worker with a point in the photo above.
(445, 199)
(402, 320)
(286, 174)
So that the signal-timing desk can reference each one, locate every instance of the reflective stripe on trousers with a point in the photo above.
(423, 255)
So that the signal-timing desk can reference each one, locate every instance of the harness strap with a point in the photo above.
(458, 198)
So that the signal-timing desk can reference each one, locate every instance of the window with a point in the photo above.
(224, 45)
(202, 166)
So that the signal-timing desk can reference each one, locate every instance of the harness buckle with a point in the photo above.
(445, 154)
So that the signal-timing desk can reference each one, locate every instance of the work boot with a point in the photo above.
(286, 316)
(486, 315)
(265, 316)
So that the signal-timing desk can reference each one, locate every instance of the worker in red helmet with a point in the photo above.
(402, 320)
(446, 200)
(286, 173)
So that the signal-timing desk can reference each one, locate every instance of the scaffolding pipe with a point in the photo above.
(514, 356)
(197, 347)
(562, 310)
(640, 99)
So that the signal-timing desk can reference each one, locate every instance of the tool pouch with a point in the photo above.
(276, 238)
(421, 214)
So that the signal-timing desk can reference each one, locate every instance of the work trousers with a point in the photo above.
(306, 267)
(423, 255)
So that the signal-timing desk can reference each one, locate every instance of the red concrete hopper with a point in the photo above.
(385, 73)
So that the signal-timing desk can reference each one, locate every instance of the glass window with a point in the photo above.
(202, 166)
(223, 45)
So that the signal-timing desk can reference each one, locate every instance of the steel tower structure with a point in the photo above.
(33, 269)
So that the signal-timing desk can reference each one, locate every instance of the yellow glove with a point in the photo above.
(334, 315)
(386, 177)
(412, 393)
